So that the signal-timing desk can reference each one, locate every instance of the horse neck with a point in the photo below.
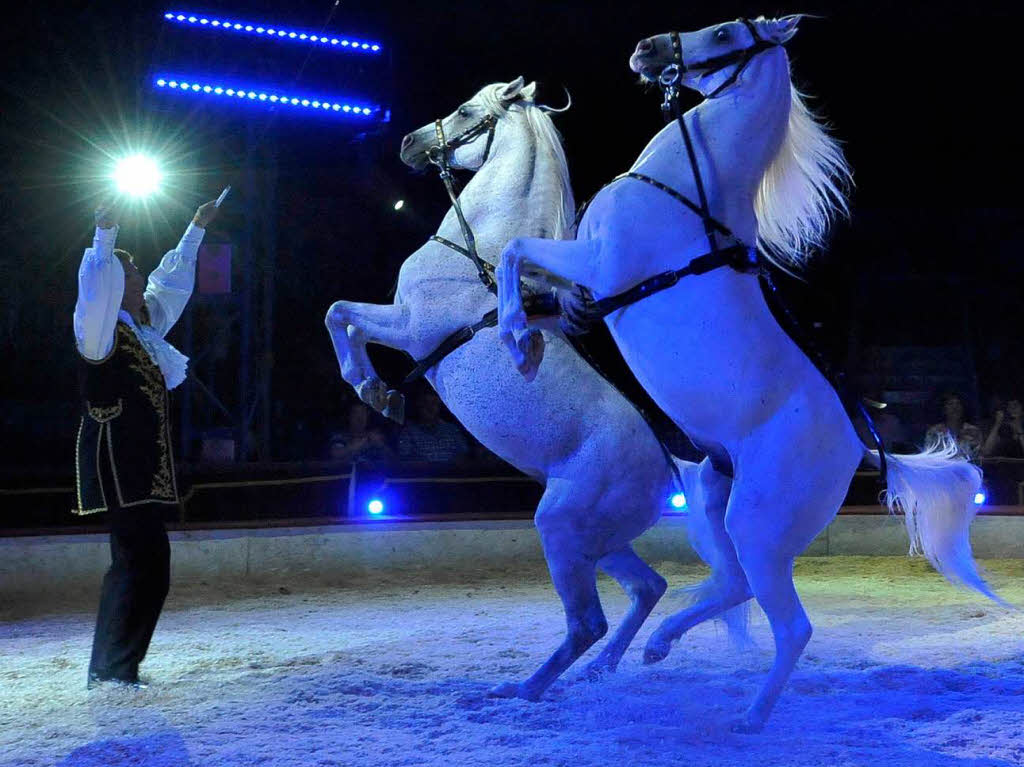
(745, 127)
(502, 199)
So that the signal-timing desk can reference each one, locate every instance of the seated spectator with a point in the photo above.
(361, 442)
(428, 437)
(955, 426)
(1006, 436)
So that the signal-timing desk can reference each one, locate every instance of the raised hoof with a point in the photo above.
(374, 393)
(531, 345)
(512, 690)
(655, 651)
(748, 724)
(395, 407)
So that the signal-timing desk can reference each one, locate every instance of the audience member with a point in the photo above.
(429, 438)
(361, 441)
(1006, 435)
(967, 436)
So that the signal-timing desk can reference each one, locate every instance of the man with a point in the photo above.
(124, 464)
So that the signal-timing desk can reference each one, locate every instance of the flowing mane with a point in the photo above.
(802, 191)
(562, 210)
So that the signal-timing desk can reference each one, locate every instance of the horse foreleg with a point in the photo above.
(352, 326)
(568, 260)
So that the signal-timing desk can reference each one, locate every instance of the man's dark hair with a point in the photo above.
(124, 255)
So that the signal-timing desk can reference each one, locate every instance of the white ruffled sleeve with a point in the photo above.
(100, 290)
(170, 285)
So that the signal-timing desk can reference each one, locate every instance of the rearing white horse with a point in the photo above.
(710, 352)
(606, 478)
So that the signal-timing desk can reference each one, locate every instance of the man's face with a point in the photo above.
(134, 287)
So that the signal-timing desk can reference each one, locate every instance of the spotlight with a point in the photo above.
(399, 204)
(375, 506)
(137, 176)
(980, 498)
(678, 500)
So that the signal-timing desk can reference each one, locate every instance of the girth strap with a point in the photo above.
(541, 305)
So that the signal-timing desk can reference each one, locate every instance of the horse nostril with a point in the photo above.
(644, 46)
(407, 141)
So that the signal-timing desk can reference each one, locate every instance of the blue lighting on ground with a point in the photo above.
(316, 38)
(678, 501)
(376, 506)
(980, 498)
(274, 96)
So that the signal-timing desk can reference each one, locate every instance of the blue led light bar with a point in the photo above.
(270, 96)
(273, 31)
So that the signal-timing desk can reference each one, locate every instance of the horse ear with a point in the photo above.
(782, 30)
(529, 91)
(511, 91)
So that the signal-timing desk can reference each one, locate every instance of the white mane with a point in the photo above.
(563, 208)
(802, 190)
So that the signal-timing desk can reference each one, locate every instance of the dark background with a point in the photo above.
(922, 94)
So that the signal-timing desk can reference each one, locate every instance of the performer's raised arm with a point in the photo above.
(100, 288)
(170, 285)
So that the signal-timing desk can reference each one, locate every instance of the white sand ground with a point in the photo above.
(902, 670)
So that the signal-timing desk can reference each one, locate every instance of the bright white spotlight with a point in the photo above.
(979, 499)
(137, 176)
(399, 204)
(678, 500)
(376, 506)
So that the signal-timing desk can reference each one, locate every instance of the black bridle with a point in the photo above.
(440, 156)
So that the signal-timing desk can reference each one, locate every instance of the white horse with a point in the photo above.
(709, 351)
(605, 475)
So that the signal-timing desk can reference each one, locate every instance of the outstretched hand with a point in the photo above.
(106, 215)
(205, 214)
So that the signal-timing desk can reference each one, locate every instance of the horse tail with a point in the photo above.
(935, 491)
(702, 539)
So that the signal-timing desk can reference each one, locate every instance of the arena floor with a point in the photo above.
(902, 670)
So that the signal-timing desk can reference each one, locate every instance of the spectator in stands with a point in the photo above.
(361, 441)
(429, 437)
(124, 462)
(1006, 435)
(955, 426)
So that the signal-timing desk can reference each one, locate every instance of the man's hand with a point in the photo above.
(106, 215)
(205, 214)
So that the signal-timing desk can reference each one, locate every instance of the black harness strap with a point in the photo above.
(542, 305)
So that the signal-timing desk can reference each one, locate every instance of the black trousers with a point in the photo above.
(134, 590)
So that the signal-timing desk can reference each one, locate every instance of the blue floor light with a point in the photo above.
(980, 498)
(375, 506)
(677, 501)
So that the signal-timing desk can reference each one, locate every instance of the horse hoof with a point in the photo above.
(748, 724)
(373, 392)
(597, 671)
(505, 690)
(655, 652)
(531, 345)
(395, 407)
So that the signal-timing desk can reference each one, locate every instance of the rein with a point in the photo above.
(439, 156)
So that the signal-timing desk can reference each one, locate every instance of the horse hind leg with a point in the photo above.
(644, 587)
(726, 588)
(574, 575)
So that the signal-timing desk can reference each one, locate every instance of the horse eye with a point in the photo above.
(721, 35)
(463, 111)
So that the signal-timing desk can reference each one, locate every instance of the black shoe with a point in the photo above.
(97, 680)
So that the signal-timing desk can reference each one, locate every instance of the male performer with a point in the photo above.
(124, 463)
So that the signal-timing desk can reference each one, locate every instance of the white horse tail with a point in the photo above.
(698, 530)
(935, 490)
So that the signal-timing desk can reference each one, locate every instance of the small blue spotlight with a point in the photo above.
(678, 500)
(376, 506)
(980, 498)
